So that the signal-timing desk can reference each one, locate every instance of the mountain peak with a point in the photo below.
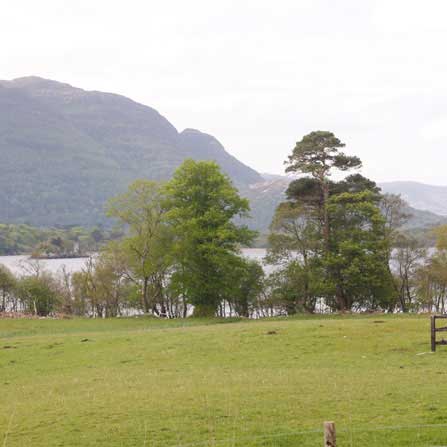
(34, 81)
(189, 130)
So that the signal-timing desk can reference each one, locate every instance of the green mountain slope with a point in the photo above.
(64, 151)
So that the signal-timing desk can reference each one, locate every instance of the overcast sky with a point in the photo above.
(257, 74)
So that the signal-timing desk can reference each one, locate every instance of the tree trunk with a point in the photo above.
(185, 306)
(326, 230)
(144, 296)
(340, 299)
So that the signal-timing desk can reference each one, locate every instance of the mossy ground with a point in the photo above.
(146, 382)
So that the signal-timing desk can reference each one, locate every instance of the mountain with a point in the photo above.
(422, 219)
(64, 151)
(419, 195)
(427, 205)
(264, 197)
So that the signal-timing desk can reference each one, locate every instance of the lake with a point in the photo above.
(18, 264)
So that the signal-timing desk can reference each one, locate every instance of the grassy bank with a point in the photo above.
(144, 382)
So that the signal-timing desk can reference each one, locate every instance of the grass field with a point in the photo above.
(145, 382)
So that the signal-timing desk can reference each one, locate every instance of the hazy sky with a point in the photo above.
(257, 74)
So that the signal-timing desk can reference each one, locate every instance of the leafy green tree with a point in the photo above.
(440, 233)
(295, 287)
(357, 261)
(431, 283)
(103, 288)
(38, 293)
(147, 243)
(202, 204)
(8, 284)
(430, 277)
(247, 284)
(295, 246)
(292, 232)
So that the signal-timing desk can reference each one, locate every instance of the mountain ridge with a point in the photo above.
(66, 150)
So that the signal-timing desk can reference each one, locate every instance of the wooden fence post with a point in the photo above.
(329, 435)
(433, 333)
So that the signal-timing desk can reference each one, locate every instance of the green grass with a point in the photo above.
(146, 382)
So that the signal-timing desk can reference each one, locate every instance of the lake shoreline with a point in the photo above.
(18, 263)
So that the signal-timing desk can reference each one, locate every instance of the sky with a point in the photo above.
(258, 75)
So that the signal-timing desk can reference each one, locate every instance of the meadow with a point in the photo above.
(185, 383)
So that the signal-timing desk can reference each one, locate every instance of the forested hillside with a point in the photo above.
(65, 151)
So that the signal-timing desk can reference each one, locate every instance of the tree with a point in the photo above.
(7, 287)
(141, 211)
(295, 287)
(294, 245)
(407, 259)
(395, 211)
(356, 264)
(431, 283)
(334, 231)
(318, 154)
(38, 294)
(97, 235)
(355, 183)
(202, 204)
(431, 277)
(331, 235)
(102, 288)
(245, 286)
(441, 238)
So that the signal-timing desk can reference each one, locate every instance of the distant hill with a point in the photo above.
(421, 219)
(266, 195)
(419, 195)
(64, 151)
(422, 200)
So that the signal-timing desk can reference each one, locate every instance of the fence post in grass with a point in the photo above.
(329, 435)
(433, 333)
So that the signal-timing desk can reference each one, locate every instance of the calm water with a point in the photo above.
(19, 265)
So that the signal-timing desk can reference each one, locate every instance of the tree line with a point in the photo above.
(335, 246)
(66, 241)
